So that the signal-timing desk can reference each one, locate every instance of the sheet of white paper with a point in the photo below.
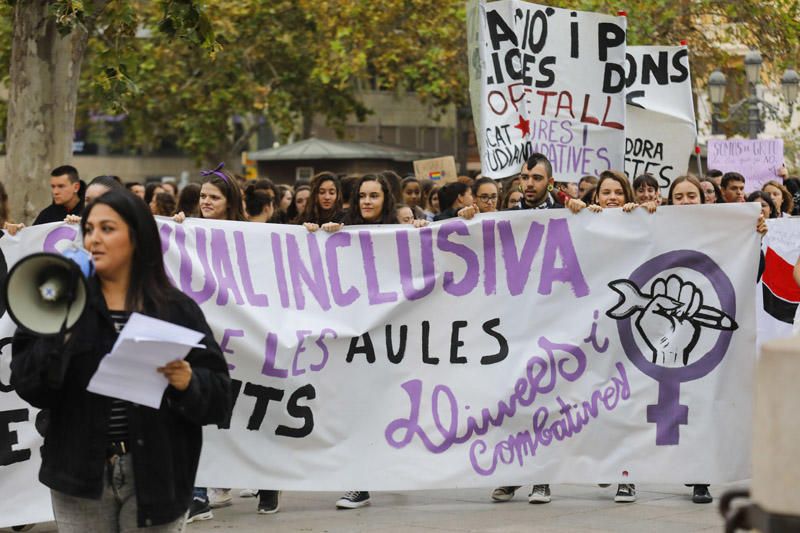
(129, 372)
(147, 327)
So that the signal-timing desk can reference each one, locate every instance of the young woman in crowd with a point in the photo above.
(613, 190)
(404, 214)
(410, 192)
(110, 464)
(511, 199)
(711, 191)
(645, 189)
(301, 195)
(688, 190)
(373, 203)
(260, 202)
(432, 202)
(455, 200)
(486, 194)
(325, 202)
(285, 197)
(163, 204)
(220, 199)
(768, 207)
(150, 190)
(781, 197)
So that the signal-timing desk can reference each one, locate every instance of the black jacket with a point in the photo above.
(549, 203)
(57, 213)
(165, 442)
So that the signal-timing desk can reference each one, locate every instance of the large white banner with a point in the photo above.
(660, 126)
(553, 81)
(530, 345)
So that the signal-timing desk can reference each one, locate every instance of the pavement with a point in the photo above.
(574, 508)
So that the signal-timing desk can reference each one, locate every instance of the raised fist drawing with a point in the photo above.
(670, 319)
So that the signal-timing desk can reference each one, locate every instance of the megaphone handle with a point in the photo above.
(59, 359)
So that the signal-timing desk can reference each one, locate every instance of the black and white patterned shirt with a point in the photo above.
(118, 419)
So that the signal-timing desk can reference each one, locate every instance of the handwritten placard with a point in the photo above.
(439, 169)
(758, 160)
(552, 81)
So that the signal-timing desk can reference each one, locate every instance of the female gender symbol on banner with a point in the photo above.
(670, 320)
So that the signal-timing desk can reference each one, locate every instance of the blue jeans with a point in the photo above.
(114, 512)
(200, 493)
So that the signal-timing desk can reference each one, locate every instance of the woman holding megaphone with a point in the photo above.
(113, 465)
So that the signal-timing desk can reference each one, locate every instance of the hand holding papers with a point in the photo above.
(145, 344)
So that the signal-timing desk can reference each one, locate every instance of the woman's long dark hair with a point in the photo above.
(149, 286)
(387, 216)
(313, 211)
(292, 214)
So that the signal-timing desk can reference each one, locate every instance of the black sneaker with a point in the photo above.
(199, 510)
(268, 501)
(353, 500)
(700, 494)
(626, 493)
(539, 494)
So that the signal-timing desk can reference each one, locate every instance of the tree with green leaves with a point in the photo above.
(48, 44)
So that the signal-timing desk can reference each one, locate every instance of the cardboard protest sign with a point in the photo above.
(660, 127)
(439, 169)
(553, 81)
(464, 354)
(758, 160)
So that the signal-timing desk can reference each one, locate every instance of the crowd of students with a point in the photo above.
(329, 202)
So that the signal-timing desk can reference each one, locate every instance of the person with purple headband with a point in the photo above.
(220, 199)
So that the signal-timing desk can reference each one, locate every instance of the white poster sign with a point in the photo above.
(516, 346)
(660, 126)
(553, 81)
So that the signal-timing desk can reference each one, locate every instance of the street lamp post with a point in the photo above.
(752, 63)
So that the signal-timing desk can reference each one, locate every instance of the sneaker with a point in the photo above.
(268, 501)
(700, 494)
(199, 510)
(219, 498)
(503, 494)
(24, 527)
(353, 500)
(248, 493)
(626, 493)
(539, 494)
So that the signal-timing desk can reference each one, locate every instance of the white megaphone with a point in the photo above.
(45, 293)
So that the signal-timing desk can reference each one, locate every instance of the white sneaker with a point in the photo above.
(626, 493)
(248, 493)
(219, 498)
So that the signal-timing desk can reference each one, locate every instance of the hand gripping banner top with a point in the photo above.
(552, 81)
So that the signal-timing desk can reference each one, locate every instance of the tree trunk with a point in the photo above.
(43, 93)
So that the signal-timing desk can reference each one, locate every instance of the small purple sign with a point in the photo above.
(758, 160)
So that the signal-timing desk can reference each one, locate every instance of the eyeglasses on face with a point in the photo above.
(487, 197)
